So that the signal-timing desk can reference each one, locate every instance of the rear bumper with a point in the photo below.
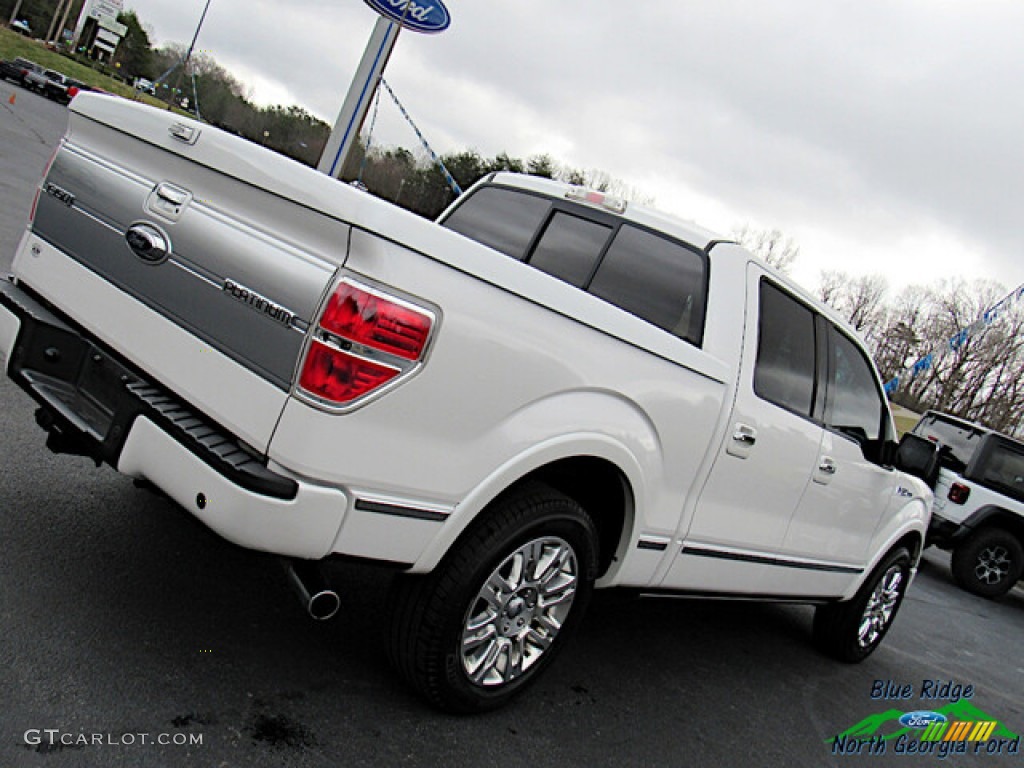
(94, 403)
(304, 526)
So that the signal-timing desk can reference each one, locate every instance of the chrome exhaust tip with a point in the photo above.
(320, 601)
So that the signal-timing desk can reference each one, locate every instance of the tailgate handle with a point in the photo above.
(172, 194)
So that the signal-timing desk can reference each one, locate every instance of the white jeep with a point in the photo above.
(978, 512)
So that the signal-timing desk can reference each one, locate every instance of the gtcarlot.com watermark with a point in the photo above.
(55, 737)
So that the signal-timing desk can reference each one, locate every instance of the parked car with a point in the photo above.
(21, 26)
(17, 69)
(56, 88)
(978, 513)
(39, 80)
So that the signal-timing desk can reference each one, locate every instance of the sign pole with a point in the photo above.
(59, 34)
(360, 94)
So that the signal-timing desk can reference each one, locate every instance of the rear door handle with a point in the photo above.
(744, 434)
(743, 439)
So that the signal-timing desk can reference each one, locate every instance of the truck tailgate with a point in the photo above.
(177, 221)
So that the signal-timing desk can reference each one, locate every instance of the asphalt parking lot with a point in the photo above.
(122, 618)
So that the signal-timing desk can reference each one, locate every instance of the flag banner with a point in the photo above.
(959, 339)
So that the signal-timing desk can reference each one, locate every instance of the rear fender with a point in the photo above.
(639, 461)
(521, 467)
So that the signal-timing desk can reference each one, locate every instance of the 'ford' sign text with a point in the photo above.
(921, 719)
(422, 16)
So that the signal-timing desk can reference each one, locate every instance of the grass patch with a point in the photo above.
(13, 45)
(905, 419)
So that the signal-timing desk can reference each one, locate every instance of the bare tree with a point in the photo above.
(896, 341)
(769, 244)
(860, 300)
(963, 357)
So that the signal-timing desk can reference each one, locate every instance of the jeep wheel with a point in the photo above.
(852, 630)
(482, 626)
(989, 562)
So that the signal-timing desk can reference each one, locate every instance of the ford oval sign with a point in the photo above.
(424, 16)
(921, 719)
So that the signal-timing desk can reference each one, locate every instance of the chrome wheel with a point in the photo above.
(993, 565)
(480, 628)
(515, 616)
(880, 607)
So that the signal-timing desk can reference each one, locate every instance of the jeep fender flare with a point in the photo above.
(989, 514)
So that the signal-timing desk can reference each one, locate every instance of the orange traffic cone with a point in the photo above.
(11, 100)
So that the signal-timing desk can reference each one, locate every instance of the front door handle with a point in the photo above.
(827, 466)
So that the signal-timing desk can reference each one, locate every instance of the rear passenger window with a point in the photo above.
(1002, 469)
(655, 279)
(785, 367)
(569, 248)
(504, 219)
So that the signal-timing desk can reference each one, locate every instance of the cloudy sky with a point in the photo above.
(884, 136)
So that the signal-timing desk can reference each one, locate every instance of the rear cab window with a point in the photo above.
(959, 440)
(503, 219)
(646, 273)
(570, 248)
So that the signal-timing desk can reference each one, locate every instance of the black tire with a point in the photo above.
(851, 631)
(430, 642)
(989, 562)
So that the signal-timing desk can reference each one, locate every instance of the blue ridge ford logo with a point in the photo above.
(921, 719)
(429, 16)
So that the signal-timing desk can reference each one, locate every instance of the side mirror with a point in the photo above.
(919, 457)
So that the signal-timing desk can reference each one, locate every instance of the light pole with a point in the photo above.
(192, 45)
(188, 56)
(185, 61)
(56, 18)
(59, 33)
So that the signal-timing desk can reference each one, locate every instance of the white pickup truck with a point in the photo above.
(549, 390)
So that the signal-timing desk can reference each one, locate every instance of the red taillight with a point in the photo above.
(364, 340)
(368, 318)
(334, 375)
(73, 91)
(958, 493)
